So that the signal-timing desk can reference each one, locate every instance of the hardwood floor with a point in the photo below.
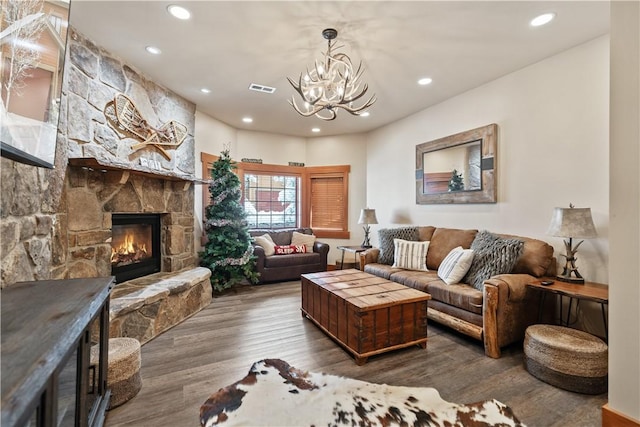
(217, 346)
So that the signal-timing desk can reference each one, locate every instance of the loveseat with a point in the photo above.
(498, 311)
(274, 267)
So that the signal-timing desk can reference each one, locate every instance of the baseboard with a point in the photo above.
(613, 418)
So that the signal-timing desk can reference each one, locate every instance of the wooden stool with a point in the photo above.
(123, 376)
(566, 358)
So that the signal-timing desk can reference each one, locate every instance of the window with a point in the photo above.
(328, 195)
(271, 201)
(276, 196)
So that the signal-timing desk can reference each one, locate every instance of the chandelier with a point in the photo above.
(331, 85)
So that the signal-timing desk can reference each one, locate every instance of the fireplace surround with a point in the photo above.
(98, 198)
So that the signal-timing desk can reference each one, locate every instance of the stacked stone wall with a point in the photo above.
(55, 223)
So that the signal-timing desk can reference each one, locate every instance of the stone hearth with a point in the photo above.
(145, 307)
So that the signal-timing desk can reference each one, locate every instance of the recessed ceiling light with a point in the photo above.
(315, 130)
(364, 114)
(543, 19)
(247, 119)
(205, 90)
(425, 81)
(153, 50)
(179, 12)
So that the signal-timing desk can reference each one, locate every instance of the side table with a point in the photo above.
(352, 249)
(589, 291)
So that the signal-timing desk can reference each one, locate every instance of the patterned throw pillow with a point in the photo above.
(410, 255)
(492, 255)
(385, 240)
(303, 239)
(290, 249)
(455, 265)
(266, 242)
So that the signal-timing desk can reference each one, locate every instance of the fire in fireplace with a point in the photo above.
(135, 245)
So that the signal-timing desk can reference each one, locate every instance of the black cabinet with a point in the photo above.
(48, 330)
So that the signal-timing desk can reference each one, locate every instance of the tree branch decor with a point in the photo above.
(228, 252)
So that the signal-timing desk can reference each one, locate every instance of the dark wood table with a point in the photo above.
(366, 314)
(46, 334)
(589, 291)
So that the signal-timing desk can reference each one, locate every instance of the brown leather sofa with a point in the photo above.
(278, 268)
(497, 315)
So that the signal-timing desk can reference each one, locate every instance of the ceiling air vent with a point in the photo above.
(261, 88)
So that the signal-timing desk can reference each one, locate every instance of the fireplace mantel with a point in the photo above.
(92, 163)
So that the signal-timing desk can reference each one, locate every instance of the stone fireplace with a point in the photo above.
(96, 197)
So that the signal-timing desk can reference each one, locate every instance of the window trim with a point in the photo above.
(305, 173)
(340, 171)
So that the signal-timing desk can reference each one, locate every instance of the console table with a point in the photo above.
(48, 329)
(589, 291)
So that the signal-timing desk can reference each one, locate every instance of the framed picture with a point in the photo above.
(33, 38)
(459, 168)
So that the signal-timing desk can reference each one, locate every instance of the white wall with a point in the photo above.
(271, 148)
(624, 290)
(552, 150)
(211, 137)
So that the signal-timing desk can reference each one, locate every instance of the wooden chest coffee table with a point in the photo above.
(364, 313)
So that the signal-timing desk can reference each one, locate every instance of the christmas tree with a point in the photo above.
(228, 252)
(456, 183)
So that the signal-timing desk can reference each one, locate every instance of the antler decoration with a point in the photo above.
(331, 85)
(126, 115)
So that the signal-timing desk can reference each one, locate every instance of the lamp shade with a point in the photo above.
(367, 216)
(572, 222)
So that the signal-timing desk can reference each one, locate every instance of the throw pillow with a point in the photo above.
(492, 255)
(385, 240)
(455, 265)
(267, 244)
(410, 255)
(290, 249)
(303, 239)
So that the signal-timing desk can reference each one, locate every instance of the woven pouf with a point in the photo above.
(566, 358)
(123, 375)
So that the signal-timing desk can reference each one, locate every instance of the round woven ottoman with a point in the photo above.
(123, 375)
(566, 358)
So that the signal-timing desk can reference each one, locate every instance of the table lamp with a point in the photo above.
(367, 216)
(572, 223)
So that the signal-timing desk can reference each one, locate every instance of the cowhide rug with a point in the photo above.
(276, 394)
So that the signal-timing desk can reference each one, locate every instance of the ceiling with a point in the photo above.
(227, 45)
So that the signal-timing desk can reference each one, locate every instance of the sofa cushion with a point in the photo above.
(280, 236)
(414, 279)
(459, 295)
(445, 239)
(425, 233)
(492, 255)
(291, 260)
(266, 243)
(303, 239)
(410, 255)
(536, 256)
(455, 265)
(381, 270)
(290, 249)
(385, 241)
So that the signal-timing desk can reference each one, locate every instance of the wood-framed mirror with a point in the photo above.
(33, 36)
(459, 168)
